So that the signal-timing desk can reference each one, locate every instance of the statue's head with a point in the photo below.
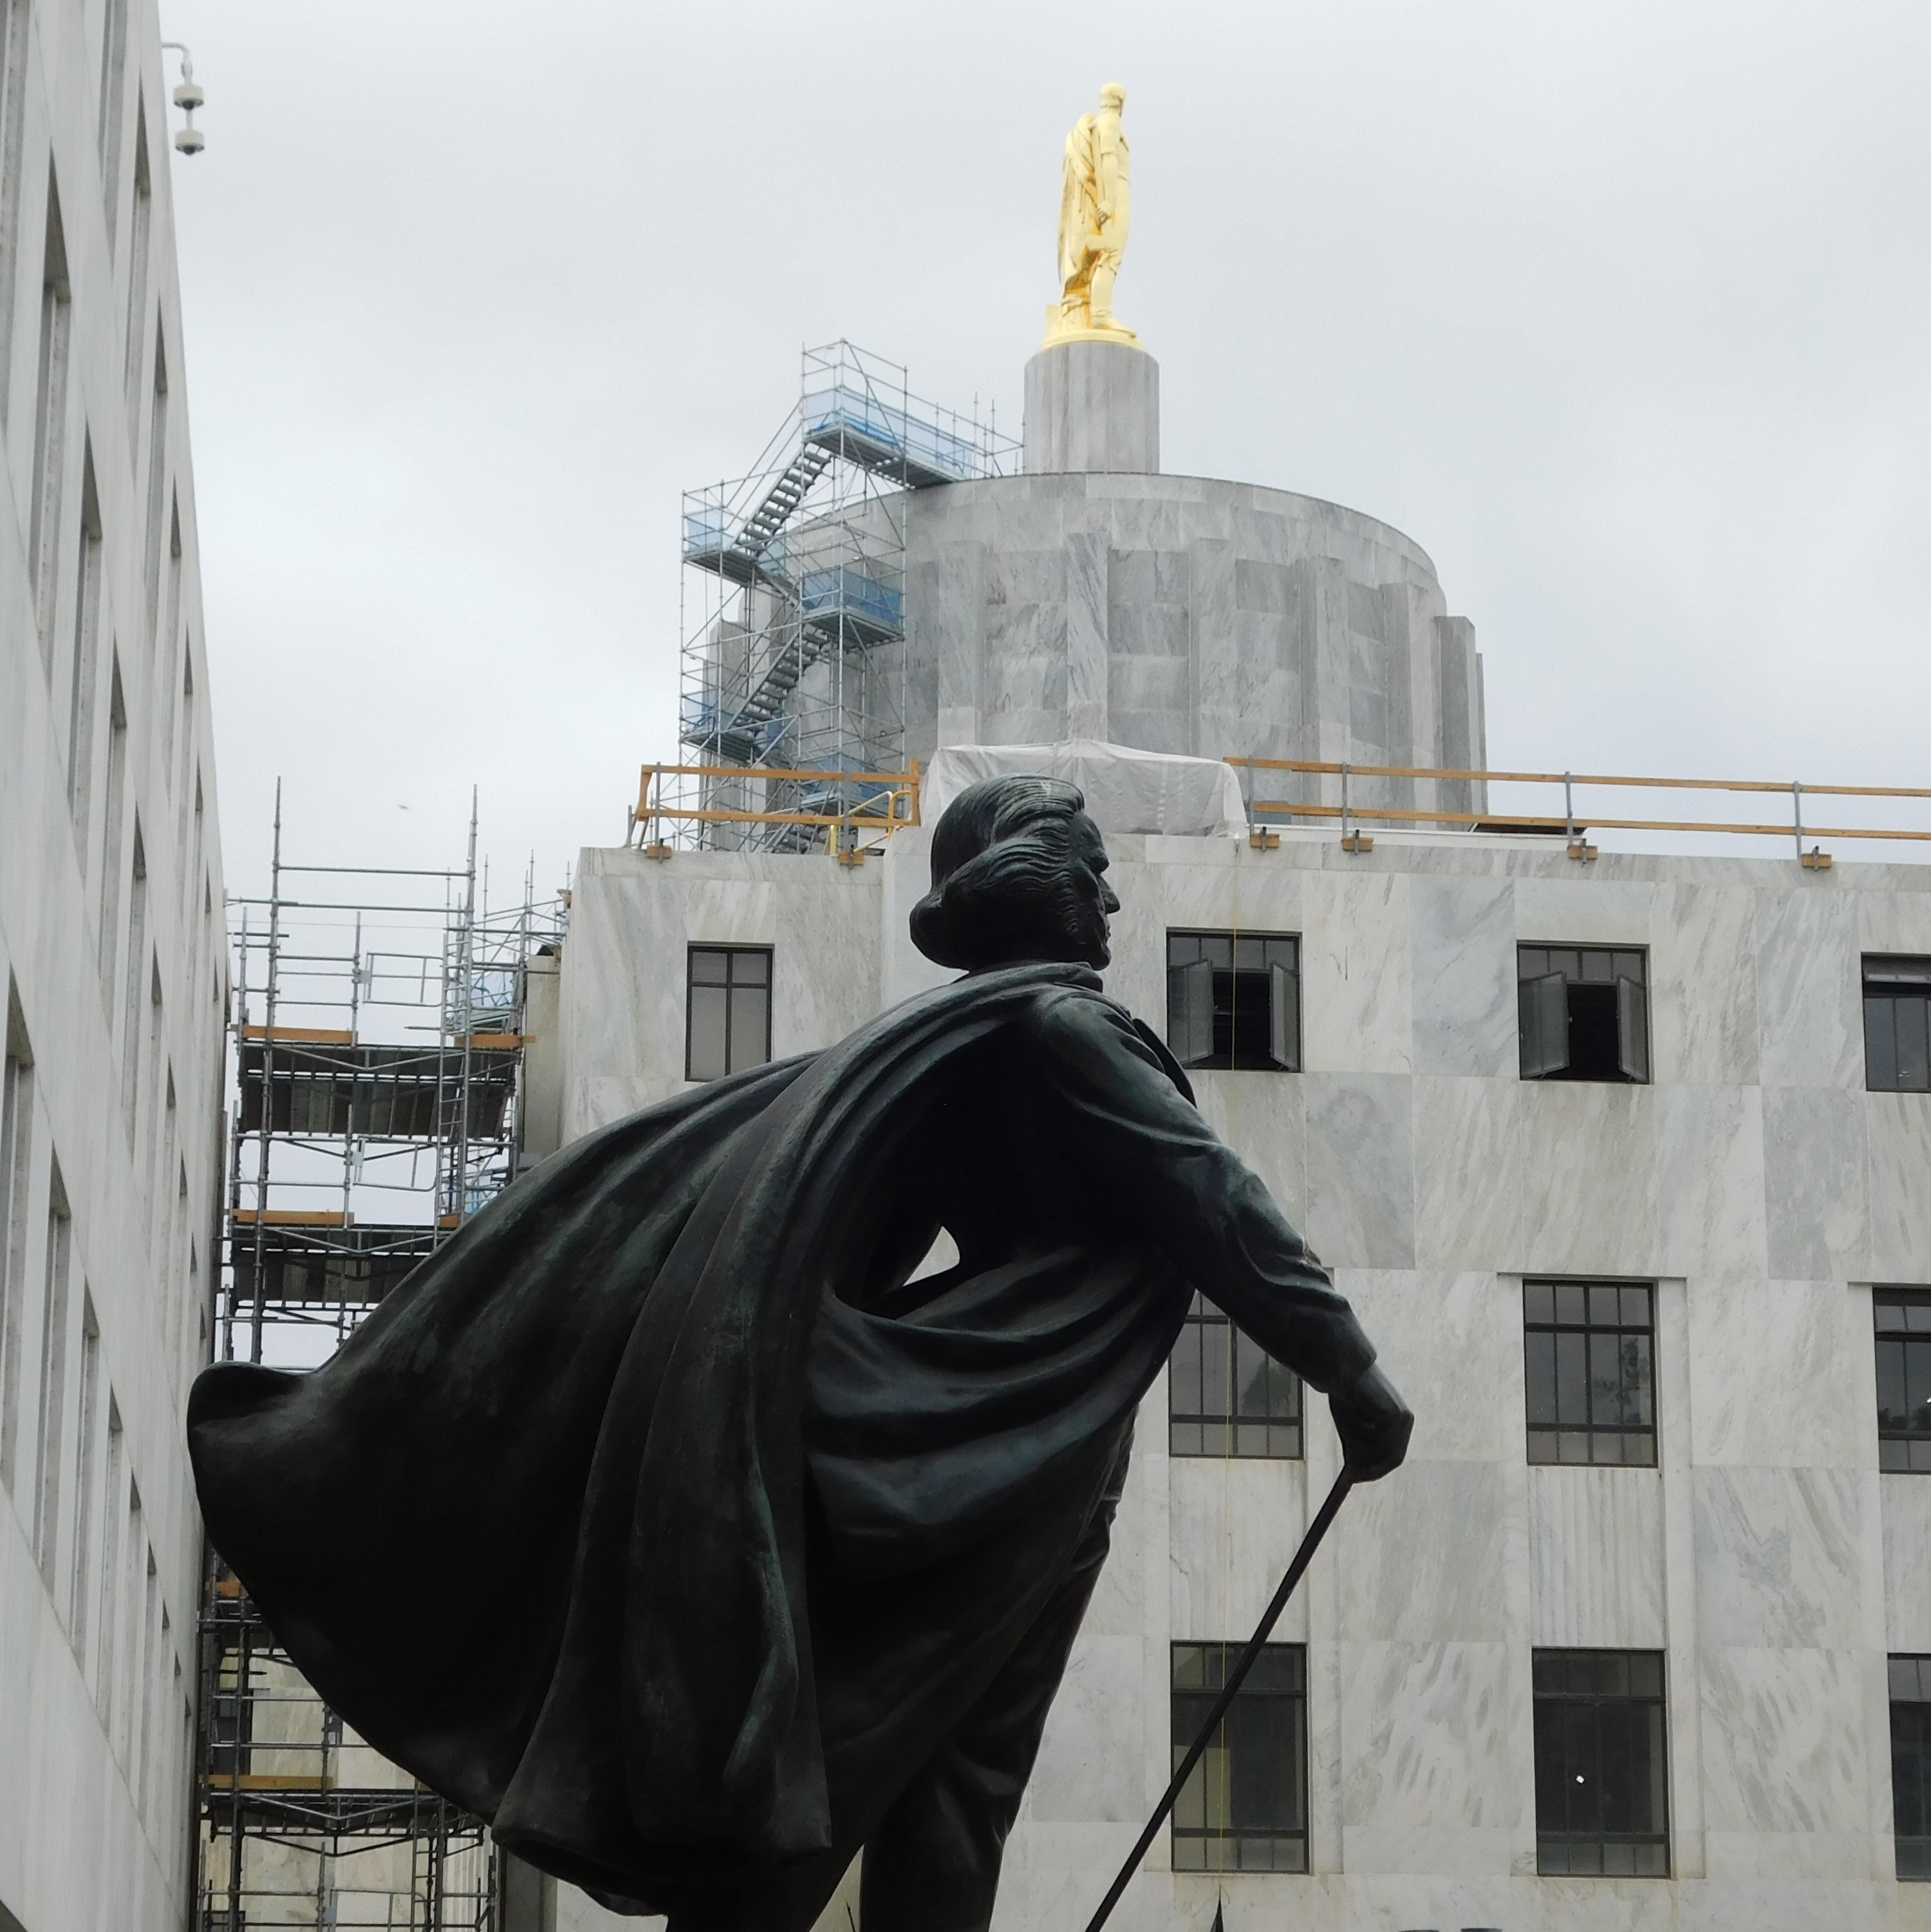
(1112, 98)
(1018, 873)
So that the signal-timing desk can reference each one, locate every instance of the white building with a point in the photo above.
(113, 973)
(1656, 1661)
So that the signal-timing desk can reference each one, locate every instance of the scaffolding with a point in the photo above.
(793, 603)
(377, 1054)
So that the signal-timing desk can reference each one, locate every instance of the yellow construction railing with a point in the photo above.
(888, 802)
(1574, 822)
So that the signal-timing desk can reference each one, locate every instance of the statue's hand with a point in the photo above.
(1373, 1424)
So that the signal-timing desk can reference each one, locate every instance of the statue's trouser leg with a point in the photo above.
(789, 1902)
(931, 1863)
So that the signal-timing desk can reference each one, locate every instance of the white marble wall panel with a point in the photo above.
(1091, 1758)
(1905, 1501)
(1356, 994)
(1452, 1344)
(1893, 922)
(1463, 975)
(1816, 1176)
(1235, 1523)
(1403, 1580)
(1596, 1559)
(1808, 988)
(1709, 1211)
(1360, 1169)
(1780, 1557)
(1703, 1025)
(1588, 1186)
(1574, 910)
(1780, 1375)
(1786, 1791)
(1432, 1737)
(1471, 1159)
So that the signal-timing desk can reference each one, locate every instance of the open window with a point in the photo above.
(1585, 1012)
(1233, 999)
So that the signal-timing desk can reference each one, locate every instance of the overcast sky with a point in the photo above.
(1622, 311)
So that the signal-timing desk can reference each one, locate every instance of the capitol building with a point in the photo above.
(1622, 1158)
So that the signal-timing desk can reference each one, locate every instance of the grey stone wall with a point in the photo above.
(1180, 614)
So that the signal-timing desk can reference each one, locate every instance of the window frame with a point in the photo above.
(1258, 1436)
(732, 950)
(1908, 984)
(1546, 1011)
(1548, 1310)
(1911, 1672)
(1187, 1012)
(1277, 1847)
(1570, 1715)
(1902, 1450)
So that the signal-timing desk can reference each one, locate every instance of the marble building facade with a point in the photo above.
(1753, 1181)
(1749, 1182)
(113, 975)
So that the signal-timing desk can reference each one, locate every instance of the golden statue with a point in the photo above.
(1095, 207)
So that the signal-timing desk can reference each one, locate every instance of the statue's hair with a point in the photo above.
(1000, 890)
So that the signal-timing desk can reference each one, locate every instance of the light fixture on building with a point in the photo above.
(188, 139)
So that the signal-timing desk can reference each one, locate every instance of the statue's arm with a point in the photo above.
(1146, 1152)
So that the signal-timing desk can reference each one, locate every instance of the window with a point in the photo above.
(1245, 1808)
(16, 1144)
(1897, 1006)
(1588, 1352)
(1585, 1012)
(50, 425)
(1226, 1396)
(1233, 999)
(1600, 1781)
(1903, 1379)
(727, 1024)
(1911, 1764)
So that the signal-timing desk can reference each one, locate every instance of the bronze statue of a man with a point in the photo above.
(662, 1520)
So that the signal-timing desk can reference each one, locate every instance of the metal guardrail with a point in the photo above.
(876, 805)
(1574, 825)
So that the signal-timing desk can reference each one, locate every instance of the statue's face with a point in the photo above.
(1091, 901)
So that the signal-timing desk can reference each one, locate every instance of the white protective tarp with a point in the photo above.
(1127, 790)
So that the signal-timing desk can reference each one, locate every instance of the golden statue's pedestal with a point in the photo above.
(1093, 404)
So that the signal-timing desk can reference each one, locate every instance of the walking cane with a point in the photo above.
(1236, 1678)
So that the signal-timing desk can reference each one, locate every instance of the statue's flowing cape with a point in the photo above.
(538, 1531)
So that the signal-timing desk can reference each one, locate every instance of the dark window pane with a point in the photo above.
(1913, 1051)
(1222, 1008)
(1572, 1380)
(1598, 966)
(1911, 1764)
(1629, 966)
(1539, 1360)
(751, 966)
(1226, 1395)
(705, 1051)
(1531, 962)
(709, 966)
(1600, 1775)
(1244, 1806)
(1880, 1044)
(751, 1027)
(1589, 1373)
